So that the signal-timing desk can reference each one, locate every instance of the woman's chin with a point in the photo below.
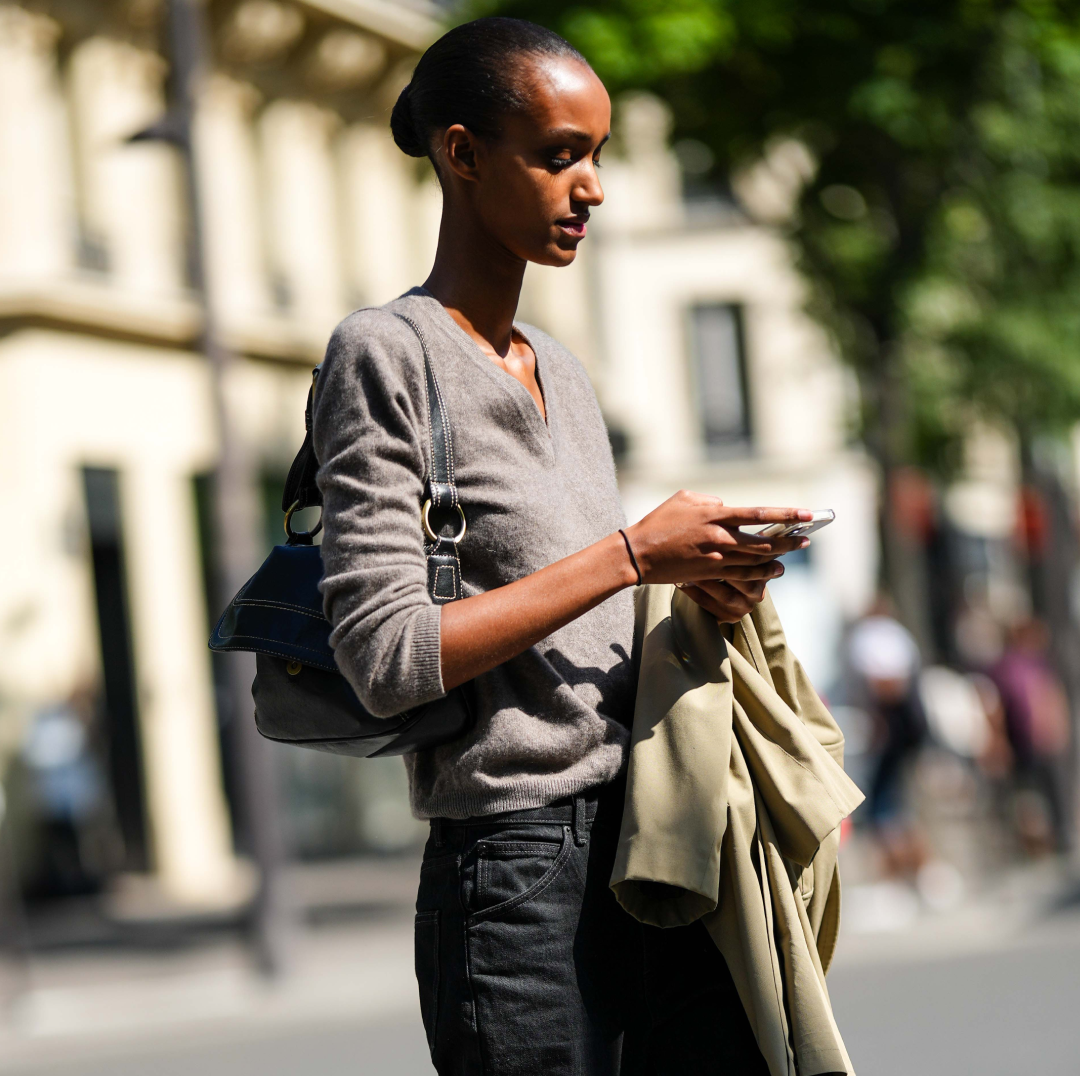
(558, 253)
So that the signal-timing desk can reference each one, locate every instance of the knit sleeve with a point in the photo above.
(369, 435)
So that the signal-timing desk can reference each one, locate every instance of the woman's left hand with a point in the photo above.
(736, 592)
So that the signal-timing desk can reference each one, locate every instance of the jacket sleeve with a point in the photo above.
(370, 429)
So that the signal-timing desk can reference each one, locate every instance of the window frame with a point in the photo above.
(730, 448)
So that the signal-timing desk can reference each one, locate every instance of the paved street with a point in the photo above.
(1010, 1013)
(954, 996)
(394, 1047)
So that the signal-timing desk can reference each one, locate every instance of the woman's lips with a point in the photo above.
(576, 228)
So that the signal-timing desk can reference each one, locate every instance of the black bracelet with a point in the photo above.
(633, 559)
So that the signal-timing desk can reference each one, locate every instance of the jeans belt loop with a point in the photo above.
(578, 821)
(437, 832)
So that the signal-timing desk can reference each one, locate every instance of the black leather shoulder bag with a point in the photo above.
(301, 698)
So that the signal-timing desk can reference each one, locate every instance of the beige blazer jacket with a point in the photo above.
(735, 795)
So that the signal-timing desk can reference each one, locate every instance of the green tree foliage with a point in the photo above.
(996, 313)
(940, 232)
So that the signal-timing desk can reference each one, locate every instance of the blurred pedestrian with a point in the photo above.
(1037, 723)
(885, 659)
(525, 961)
(66, 792)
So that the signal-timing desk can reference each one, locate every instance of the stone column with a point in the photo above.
(130, 194)
(302, 210)
(67, 400)
(232, 206)
(37, 228)
(378, 181)
(188, 817)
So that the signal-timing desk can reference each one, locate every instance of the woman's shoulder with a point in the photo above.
(373, 363)
(375, 326)
(377, 342)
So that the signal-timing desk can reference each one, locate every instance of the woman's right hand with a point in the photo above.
(693, 537)
(690, 538)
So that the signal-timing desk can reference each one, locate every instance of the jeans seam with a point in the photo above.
(473, 1026)
(423, 919)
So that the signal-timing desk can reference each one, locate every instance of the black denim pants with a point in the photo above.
(527, 964)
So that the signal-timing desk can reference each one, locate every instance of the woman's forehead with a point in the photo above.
(565, 97)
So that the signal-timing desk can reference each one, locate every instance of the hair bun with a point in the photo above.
(403, 126)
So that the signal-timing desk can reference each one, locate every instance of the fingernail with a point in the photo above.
(804, 543)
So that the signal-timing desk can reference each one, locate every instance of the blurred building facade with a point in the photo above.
(688, 317)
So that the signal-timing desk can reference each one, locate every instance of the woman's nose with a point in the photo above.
(588, 190)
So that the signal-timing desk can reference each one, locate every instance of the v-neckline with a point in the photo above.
(480, 355)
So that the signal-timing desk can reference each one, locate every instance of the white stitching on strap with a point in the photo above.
(447, 436)
(448, 440)
(444, 568)
(427, 403)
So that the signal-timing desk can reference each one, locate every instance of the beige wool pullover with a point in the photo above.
(554, 720)
(735, 795)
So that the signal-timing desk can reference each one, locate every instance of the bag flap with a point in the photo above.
(278, 611)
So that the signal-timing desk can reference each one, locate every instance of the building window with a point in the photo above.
(718, 359)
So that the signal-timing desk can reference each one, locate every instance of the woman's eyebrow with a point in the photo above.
(574, 134)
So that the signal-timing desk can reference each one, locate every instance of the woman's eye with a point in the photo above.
(559, 163)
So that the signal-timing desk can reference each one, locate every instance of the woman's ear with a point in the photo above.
(459, 152)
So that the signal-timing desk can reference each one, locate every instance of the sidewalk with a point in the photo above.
(95, 988)
(98, 1003)
(355, 974)
(885, 922)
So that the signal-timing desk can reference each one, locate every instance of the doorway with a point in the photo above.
(101, 486)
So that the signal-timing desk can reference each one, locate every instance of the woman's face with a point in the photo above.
(533, 187)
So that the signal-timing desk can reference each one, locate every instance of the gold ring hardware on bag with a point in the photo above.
(293, 668)
(291, 534)
(425, 514)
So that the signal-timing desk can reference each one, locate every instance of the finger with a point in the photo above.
(750, 517)
(729, 608)
(736, 601)
(767, 569)
(714, 608)
(734, 557)
(775, 547)
(754, 590)
(720, 590)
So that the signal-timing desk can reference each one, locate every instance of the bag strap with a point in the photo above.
(441, 508)
(300, 488)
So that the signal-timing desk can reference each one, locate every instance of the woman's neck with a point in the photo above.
(477, 281)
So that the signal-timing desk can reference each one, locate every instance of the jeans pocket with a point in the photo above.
(426, 956)
(509, 872)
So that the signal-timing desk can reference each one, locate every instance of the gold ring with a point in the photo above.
(424, 516)
(291, 534)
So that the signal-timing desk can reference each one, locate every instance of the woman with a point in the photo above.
(525, 962)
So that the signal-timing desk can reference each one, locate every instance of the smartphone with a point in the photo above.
(819, 519)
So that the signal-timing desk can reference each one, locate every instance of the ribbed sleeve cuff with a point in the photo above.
(427, 653)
